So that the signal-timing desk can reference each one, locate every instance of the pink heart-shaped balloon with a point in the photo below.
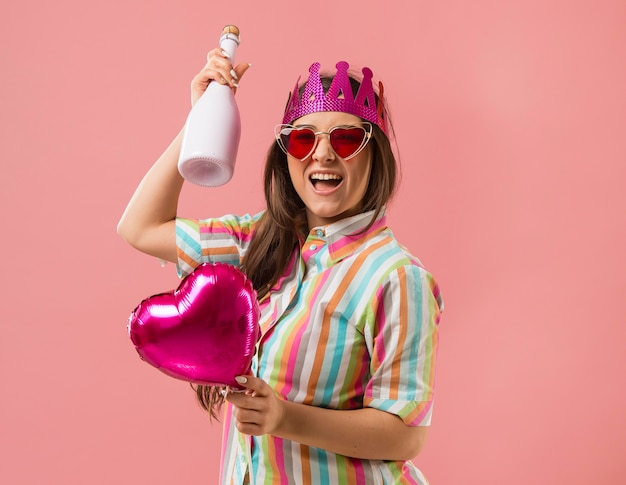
(205, 331)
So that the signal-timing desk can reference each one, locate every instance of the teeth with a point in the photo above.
(325, 176)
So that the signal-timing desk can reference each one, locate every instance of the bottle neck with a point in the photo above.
(229, 43)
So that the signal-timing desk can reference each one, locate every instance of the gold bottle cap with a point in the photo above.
(231, 29)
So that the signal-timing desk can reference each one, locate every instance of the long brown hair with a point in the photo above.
(276, 236)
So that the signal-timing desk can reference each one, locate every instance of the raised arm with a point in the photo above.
(148, 223)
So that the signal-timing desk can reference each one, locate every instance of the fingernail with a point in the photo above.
(225, 54)
(234, 74)
(235, 84)
(224, 392)
(241, 379)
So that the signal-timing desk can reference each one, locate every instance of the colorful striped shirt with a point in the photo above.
(352, 323)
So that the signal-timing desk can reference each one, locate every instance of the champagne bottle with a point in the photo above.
(213, 128)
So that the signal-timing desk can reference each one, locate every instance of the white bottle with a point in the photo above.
(213, 128)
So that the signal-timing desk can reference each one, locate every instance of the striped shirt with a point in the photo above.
(352, 323)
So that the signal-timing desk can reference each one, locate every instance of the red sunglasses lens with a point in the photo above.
(346, 141)
(298, 141)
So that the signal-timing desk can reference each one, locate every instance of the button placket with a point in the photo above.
(315, 240)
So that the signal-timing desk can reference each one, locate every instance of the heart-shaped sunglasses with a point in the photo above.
(300, 141)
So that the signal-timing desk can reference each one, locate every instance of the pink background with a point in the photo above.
(511, 123)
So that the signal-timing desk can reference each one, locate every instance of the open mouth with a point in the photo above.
(325, 181)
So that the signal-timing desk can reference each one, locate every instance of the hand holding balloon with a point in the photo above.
(205, 331)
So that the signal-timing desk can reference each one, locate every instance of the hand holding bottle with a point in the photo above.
(218, 68)
(149, 221)
(212, 131)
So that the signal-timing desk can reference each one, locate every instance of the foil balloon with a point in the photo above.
(203, 332)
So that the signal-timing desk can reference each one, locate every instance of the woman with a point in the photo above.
(343, 377)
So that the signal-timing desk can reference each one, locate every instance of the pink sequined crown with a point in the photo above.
(338, 98)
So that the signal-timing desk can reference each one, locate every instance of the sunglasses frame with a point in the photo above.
(366, 126)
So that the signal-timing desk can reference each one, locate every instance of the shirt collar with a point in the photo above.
(345, 236)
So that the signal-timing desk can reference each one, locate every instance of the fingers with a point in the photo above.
(251, 421)
(249, 412)
(253, 383)
(256, 409)
(244, 400)
(241, 69)
(218, 68)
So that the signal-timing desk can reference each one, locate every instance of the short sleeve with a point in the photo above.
(219, 240)
(404, 336)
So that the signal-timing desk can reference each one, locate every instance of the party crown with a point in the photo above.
(338, 98)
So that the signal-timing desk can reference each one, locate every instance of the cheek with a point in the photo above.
(296, 173)
(362, 173)
(295, 168)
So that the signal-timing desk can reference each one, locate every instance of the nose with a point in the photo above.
(323, 150)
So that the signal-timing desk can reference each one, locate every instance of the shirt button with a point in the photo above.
(319, 233)
(313, 247)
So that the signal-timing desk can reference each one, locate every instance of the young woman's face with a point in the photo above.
(330, 187)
